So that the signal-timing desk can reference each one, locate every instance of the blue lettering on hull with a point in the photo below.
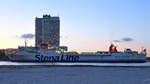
(62, 58)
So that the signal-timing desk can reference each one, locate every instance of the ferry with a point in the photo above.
(58, 54)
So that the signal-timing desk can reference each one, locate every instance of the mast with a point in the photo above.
(25, 43)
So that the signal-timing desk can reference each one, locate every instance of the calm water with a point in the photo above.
(92, 73)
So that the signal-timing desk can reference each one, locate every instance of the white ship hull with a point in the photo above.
(55, 55)
(78, 58)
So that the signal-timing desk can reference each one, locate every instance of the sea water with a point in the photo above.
(74, 73)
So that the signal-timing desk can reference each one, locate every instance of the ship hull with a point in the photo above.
(79, 58)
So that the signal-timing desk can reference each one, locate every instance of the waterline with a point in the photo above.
(146, 64)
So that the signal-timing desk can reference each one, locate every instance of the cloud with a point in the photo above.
(116, 41)
(127, 39)
(28, 36)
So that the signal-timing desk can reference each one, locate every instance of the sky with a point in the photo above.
(85, 25)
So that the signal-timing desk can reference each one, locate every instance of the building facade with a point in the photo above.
(47, 30)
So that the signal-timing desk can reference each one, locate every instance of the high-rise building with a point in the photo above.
(47, 30)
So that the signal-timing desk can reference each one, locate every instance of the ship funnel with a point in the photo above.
(112, 48)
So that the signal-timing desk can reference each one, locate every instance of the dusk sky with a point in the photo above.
(85, 25)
